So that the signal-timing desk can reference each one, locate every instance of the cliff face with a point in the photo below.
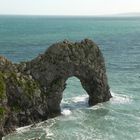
(21, 100)
(32, 91)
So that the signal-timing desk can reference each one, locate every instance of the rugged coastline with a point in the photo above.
(32, 91)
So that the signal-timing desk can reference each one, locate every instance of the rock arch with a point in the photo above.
(32, 91)
(62, 60)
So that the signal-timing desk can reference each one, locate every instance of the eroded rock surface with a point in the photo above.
(32, 91)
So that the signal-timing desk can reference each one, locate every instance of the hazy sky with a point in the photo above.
(68, 7)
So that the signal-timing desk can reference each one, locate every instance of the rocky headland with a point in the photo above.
(32, 91)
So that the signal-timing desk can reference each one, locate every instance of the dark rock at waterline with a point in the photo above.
(31, 92)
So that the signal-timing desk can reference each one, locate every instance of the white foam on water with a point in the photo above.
(65, 101)
(23, 129)
(66, 112)
(97, 106)
(120, 99)
(49, 123)
(48, 133)
(80, 98)
(116, 99)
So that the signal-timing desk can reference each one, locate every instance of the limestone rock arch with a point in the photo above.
(62, 60)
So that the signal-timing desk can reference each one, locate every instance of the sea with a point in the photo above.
(23, 38)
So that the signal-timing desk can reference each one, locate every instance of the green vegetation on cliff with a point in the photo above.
(2, 110)
(27, 84)
(2, 86)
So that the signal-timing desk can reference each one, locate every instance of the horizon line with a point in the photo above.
(127, 14)
(70, 15)
(131, 14)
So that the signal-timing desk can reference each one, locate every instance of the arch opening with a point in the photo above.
(74, 95)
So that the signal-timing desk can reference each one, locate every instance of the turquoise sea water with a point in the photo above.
(23, 38)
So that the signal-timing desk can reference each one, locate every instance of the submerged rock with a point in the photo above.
(32, 91)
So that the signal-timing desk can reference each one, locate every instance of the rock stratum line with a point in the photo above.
(32, 91)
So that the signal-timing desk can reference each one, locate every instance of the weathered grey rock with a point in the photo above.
(32, 91)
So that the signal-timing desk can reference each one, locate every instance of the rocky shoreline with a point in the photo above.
(32, 91)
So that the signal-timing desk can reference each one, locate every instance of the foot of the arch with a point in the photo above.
(93, 101)
(54, 113)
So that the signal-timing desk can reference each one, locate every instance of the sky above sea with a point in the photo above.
(68, 7)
